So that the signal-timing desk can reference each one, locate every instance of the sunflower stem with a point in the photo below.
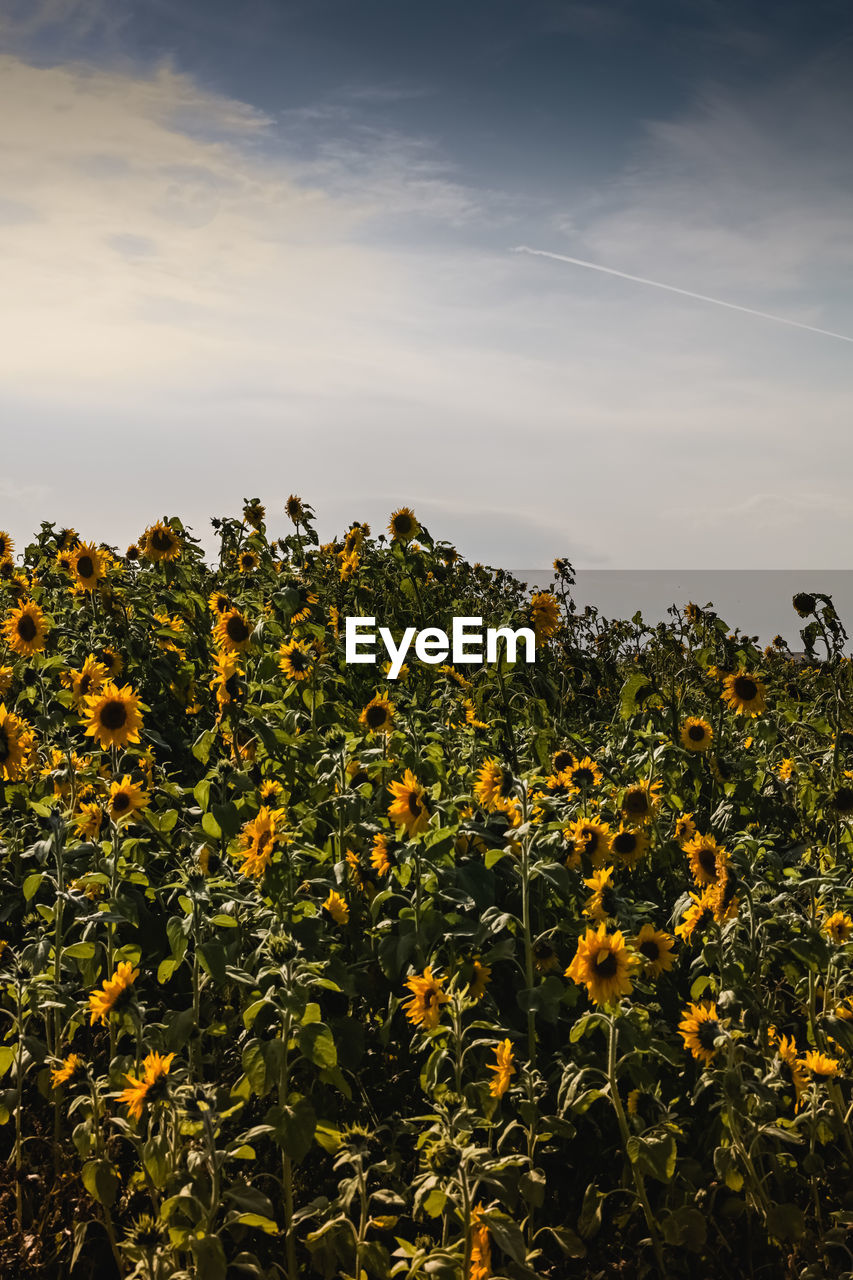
(639, 1181)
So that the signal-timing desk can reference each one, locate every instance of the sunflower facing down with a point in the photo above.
(152, 1085)
(232, 631)
(423, 1008)
(114, 993)
(403, 525)
(296, 660)
(603, 964)
(544, 615)
(588, 838)
(700, 1026)
(656, 949)
(25, 629)
(696, 734)
(707, 859)
(378, 715)
(113, 716)
(410, 807)
(15, 743)
(160, 542)
(125, 799)
(744, 694)
(502, 1068)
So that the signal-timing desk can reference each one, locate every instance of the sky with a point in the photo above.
(271, 247)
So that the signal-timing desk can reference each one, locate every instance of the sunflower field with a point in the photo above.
(496, 970)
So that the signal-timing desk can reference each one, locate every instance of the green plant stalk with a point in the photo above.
(286, 1162)
(639, 1181)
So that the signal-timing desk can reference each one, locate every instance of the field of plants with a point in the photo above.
(490, 971)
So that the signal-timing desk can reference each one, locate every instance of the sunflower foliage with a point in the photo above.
(499, 970)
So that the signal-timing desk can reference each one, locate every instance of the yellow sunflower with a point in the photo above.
(247, 561)
(226, 677)
(114, 993)
(87, 680)
(410, 807)
(160, 542)
(685, 829)
(336, 907)
(581, 775)
(544, 615)
(502, 1068)
(87, 565)
(66, 1071)
(302, 612)
(403, 526)
(113, 716)
(744, 693)
(838, 926)
(601, 905)
(819, 1064)
(699, 1028)
(15, 743)
(88, 821)
(423, 1008)
(589, 837)
(7, 546)
(25, 629)
(481, 976)
(125, 799)
(258, 840)
(494, 788)
(232, 631)
(296, 660)
(603, 964)
(151, 1086)
(544, 956)
(696, 734)
(480, 1251)
(656, 949)
(113, 661)
(640, 801)
(295, 510)
(381, 858)
(706, 858)
(786, 1047)
(698, 914)
(629, 844)
(218, 602)
(378, 715)
(6, 676)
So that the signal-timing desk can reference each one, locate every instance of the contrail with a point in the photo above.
(686, 293)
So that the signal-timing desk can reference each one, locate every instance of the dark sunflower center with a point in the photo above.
(113, 714)
(543, 952)
(237, 630)
(624, 842)
(5, 751)
(375, 717)
(708, 861)
(707, 1032)
(161, 540)
(562, 760)
(650, 949)
(121, 801)
(263, 841)
(85, 567)
(592, 839)
(429, 996)
(843, 799)
(402, 524)
(636, 802)
(299, 660)
(85, 683)
(607, 967)
(27, 629)
(583, 777)
(696, 732)
(248, 561)
(745, 688)
(415, 806)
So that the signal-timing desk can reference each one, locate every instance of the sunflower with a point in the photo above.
(480, 1252)
(699, 1028)
(88, 821)
(133, 552)
(66, 1071)
(232, 631)
(603, 964)
(15, 743)
(744, 693)
(696, 734)
(403, 526)
(337, 908)
(494, 788)
(842, 801)
(410, 807)
(502, 1068)
(295, 510)
(25, 629)
(87, 680)
(6, 676)
(786, 1047)
(588, 837)
(296, 660)
(838, 926)
(685, 829)
(125, 799)
(113, 661)
(601, 905)
(159, 542)
(254, 513)
(152, 1085)
(544, 956)
(378, 715)
(544, 615)
(113, 716)
(698, 914)
(786, 769)
(226, 677)
(7, 546)
(381, 858)
(423, 1008)
(480, 978)
(561, 759)
(302, 612)
(247, 561)
(218, 602)
(269, 790)
(629, 844)
(114, 993)
(87, 565)
(706, 858)
(640, 801)
(656, 948)
(258, 839)
(471, 717)
(819, 1064)
(581, 775)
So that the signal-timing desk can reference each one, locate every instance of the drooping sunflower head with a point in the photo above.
(403, 525)
(744, 693)
(700, 1028)
(113, 716)
(160, 542)
(295, 510)
(544, 956)
(378, 715)
(296, 660)
(842, 801)
(804, 603)
(87, 565)
(603, 964)
(696, 734)
(544, 615)
(656, 949)
(232, 631)
(254, 513)
(25, 629)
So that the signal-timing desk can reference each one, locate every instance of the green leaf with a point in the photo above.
(317, 1044)
(101, 1181)
(8, 1053)
(653, 1154)
(31, 885)
(209, 1255)
(211, 827)
(259, 1221)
